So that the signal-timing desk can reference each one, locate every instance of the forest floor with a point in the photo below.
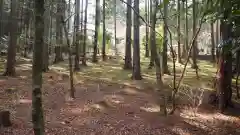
(108, 102)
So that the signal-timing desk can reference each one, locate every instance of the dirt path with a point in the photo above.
(101, 109)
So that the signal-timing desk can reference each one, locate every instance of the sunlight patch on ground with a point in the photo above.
(212, 118)
(179, 131)
(57, 68)
(25, 101)
(150, 108)
(114, 99)
(79, 110)
(99, 106)
(130, 91)
(25, 66)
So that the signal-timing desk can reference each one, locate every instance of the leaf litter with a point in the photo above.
(110, 110)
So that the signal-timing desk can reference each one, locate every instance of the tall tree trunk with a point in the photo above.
(11, 56)
(163, 110)
(194, 51)
(147, 29)
(185, 49)
(237, 71)
(136, 74)
(225, 73)
(1, 18)
(165, 40)
(37, 111)
(97, 23)
(72, 89)
(213, 42)
(46, 37)
(178, 31)
(81, 34)
(58, 47)
(128, 46)
(69, 14)
(212, 38)
(115, 26)
(104, 34)
(85, 35)
(81, 18)
(77, 22)
(51, 31)
(27, 23)
(151, 64)
(217, 38)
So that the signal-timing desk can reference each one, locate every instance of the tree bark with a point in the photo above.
(37, 111)
(128, 46)
(194, 51)
(213, 43)
(11, 56)
(147, 30)
(136, 74)
(104, 34)
(157, 61)
(77, 22)
(186, 48)
(217, 38)
(58, 47)
(151, 64)
(46, 35)
(1, 18)
(85, 35)
(115, 25)
(97, 23)
(72, 89)
(225, 72)
(178, 31)
(165, 40)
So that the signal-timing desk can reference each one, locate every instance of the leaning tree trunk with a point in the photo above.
(37, 111)
(165, 40)
(85, 35)
(77, 22)
(136, 73)
(104, 34)
(11, 56)
(128, 46)
(97, 23)
(147, 30)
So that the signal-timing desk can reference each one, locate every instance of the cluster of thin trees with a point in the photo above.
(40, 21)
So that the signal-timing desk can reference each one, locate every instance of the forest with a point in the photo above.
(119, 67)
